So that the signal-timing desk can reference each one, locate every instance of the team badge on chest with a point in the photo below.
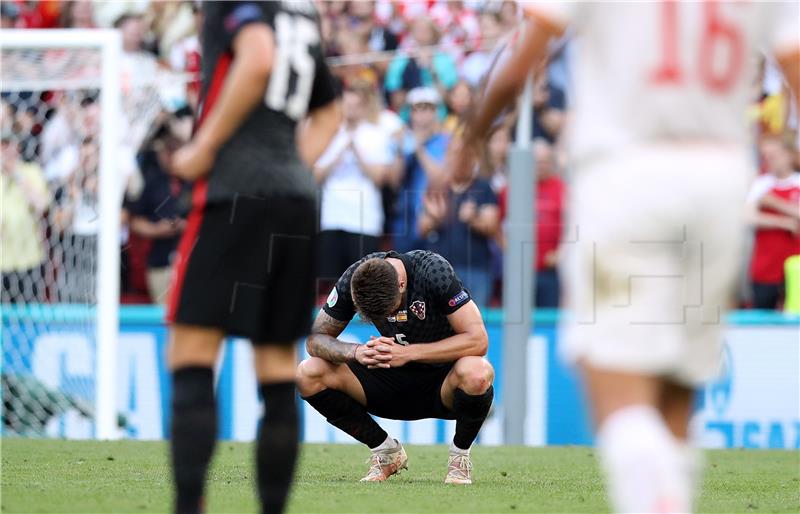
(418, 308)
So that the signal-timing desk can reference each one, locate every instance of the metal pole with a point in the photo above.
(518, 275)
(108, 241)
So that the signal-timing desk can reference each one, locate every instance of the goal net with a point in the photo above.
(74, 112)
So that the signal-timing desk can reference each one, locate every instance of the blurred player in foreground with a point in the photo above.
(246, 261)
(661, 162)
(427, 363)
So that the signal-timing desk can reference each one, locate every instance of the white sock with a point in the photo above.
(693, 463)
(388, 444)
(645, 468)
(457, 450)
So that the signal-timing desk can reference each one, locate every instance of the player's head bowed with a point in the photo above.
(376, 289)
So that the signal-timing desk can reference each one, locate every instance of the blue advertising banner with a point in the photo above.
(754, 404)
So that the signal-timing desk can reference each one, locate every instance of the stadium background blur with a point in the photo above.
(380, 51)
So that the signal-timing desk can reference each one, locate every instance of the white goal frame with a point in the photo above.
(109, 42)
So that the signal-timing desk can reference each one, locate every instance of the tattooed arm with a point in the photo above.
(322, 342)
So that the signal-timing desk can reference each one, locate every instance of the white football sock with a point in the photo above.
(388, 444)
(644, 465)
(693, 463)
(456, 449)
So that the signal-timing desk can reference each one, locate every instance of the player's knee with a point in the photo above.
(311, 374)
(475, 374)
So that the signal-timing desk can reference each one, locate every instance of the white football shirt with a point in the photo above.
(664, 71)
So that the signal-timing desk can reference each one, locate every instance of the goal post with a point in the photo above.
(36, 76)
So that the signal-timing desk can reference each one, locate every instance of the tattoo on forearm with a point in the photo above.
(322, 342)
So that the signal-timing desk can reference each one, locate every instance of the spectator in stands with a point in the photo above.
(428, 67)
(184, 56)
(28, 128)
(495, 157)
(77, 14)
(459, 223)
(550, 198)
(75, 222)
(25, 199)
(353, 44)
(364, 22)
(159, 213)
(473, 69)
(8, 114)
(549, 104)
(508, 15)
(458, 25)
(774, 207)
(167, 24)
(9, 15)
(77, 118)
(136, 63)
(424, 147)
(459, 99)
(351, 173)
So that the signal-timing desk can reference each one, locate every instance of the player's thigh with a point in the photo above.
(676, 405)
(316, 374)
(611, 391)
(193, 346)
(275, 362)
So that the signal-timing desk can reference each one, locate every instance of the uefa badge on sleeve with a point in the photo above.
(333, 297)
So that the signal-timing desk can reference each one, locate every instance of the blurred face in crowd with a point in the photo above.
(362, 10)
(7, 114)
(508, 14)
(353, 108)
(424, 31)
(498, 148)
(82, 15)
(776, 156)
(545, 159)
(26, 120)
(89, 155)
(460, 97)
(8, 154)
(89, 118)
(86, 175)
(491, 27)
(335, 8)
(423, 117)
(132, 34)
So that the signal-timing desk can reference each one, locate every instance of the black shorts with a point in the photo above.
(248, 267)
(406, 393)
(339, 249)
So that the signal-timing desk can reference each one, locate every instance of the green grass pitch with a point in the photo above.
(128, 476)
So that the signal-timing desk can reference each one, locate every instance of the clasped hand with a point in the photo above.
(382, 352)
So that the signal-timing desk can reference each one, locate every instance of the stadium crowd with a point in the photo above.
(409, 71)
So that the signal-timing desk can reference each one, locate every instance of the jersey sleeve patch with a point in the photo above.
(459, 299)
(333, 297)
(241, 15)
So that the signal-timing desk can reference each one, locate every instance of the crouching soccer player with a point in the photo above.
(427, 363)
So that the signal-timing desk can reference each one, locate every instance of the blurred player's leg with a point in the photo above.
(193, 351)
(642, 459)
(677, 403)
(276, 450)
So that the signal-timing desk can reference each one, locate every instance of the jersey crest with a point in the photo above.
(417, 307)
